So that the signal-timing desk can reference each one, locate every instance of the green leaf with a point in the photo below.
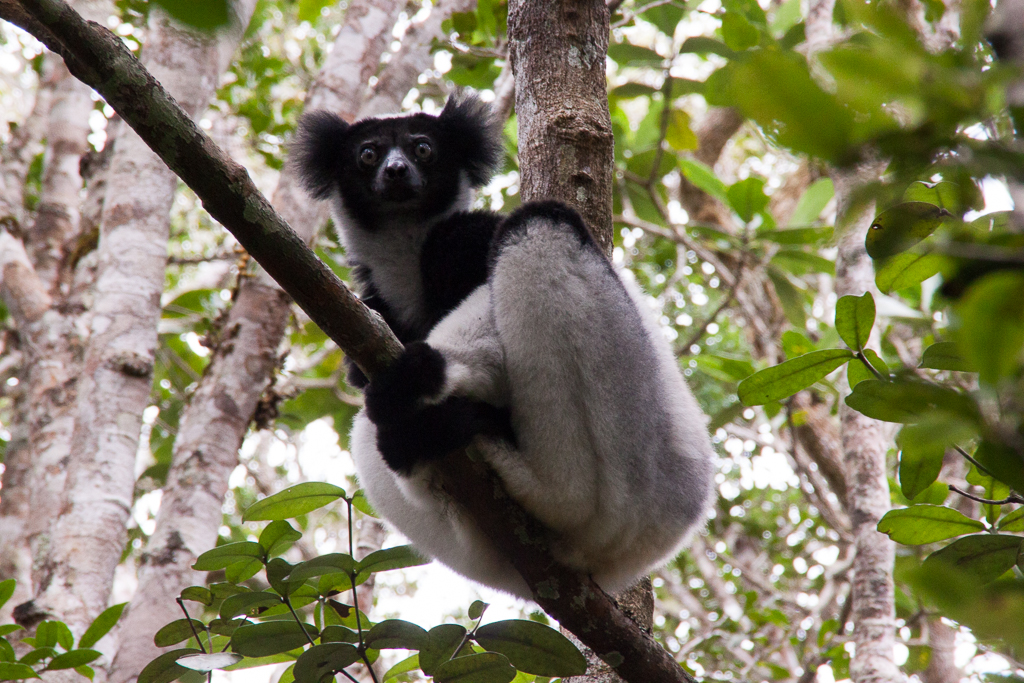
(855, 315)
(857, 371)
(702, 45)
(405, 666)
(249, 604)
(339, 634)
(270, 638)
(64, 637)
(909, 401)
(477, 609)
(792, 299)
(101, 625)
(207, 15)
(293, 501)
(46, 634)
(165, 668)
(243, 571)
(486, 667)
(226, 555)
(897, 229)
(703, 178)
(209, 662)
(198, 594)
(398, 557)
(796, 236)
(86, 671)
(278, 537)
(678, 134)
(7, 629)
(626, 54)
(812, 202)
(176, 632)
(906, 270)
(359, 502)
(747, 198)
(630, 90)
(991, 330)
(1013, 521)
(72, 659)
(739, 34)
(6, 590)
(782, 381)
(442, 641)
(1003, 462)
(533, 648)
(950, 196)
(333, 563)
(984, 556)
(37, 655)
(919, 524)
(920, 463)
(277, 574)
(12, 671)
(396, 634)
(321, 660)
(800, 262)
(945, 356)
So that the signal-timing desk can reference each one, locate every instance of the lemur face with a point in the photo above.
(414, 167)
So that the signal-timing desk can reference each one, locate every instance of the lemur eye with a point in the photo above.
(368, 155)
(423, 150)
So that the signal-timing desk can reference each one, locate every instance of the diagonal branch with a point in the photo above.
(100, 59)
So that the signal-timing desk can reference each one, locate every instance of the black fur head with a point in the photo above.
(409, 165)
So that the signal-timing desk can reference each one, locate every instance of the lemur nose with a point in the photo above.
(396, 169)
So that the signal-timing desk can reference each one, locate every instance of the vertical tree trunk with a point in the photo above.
(558, 50)
(114, 387)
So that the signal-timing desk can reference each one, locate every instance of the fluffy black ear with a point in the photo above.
(473, 134)
(315, 151)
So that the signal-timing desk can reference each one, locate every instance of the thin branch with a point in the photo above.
(1012, 498)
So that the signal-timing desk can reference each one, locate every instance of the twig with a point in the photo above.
(192, 626)
(1012, 498)
(974, 462)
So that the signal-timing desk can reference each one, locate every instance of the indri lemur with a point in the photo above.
(519, 333)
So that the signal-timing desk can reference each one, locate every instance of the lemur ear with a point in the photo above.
(316, 151)
(473, 134)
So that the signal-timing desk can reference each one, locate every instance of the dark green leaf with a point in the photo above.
(991, 331)
(72, 659)
(856, 372)
(855, 315)
(6, 590)
(339, 634)
(702, 45)
(405, 666)
(333, 563)
(533, 648)
(442, 641)
(906, 270)
(486, 667)
(1013, 521)
(398, 557)
(630, 90)
(1002, 462)
(477, 609)
(395, 633)
(224, 627)
(209, 662)
(792, 299)
(293, 501)
(909, 402)
(239, 572)
(277, 573)
(278, 537)
(626, 54)
(270, 638)
(950, 196)
(986, 557)
(249, 604)
(176, 632)
(320, 660)
(782, 381)
(747, 198)
(101, 625)
(919, 524)
(945, 356)
(165, 668)
(897, 229)
(12, 671)
(198, 594)
(226, 555)
(207, 15)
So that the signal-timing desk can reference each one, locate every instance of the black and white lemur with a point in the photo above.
(519, 333)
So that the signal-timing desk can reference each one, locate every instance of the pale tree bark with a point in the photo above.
(942, 666)
(89, 535)
(217, 417)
